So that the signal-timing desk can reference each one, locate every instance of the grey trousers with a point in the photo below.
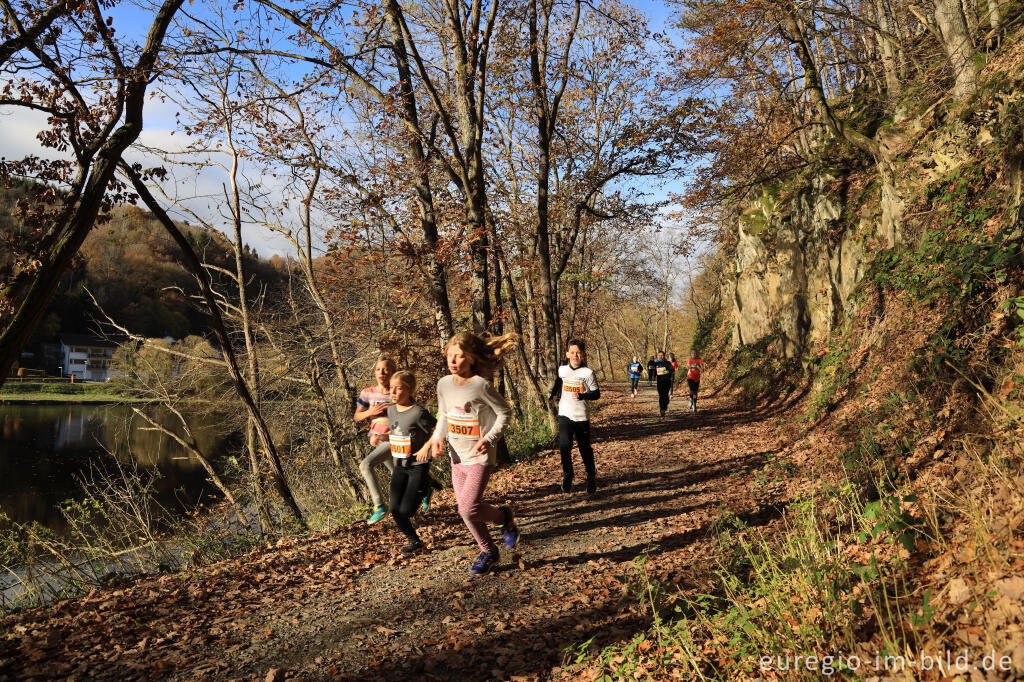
(380, 454)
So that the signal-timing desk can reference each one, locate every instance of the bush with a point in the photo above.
(758, 371)
(526, 436)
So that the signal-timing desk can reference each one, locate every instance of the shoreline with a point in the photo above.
(71, 399)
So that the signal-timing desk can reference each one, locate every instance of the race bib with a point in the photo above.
(401, 446)
(662, 370)
(463, 428)
(574, 387)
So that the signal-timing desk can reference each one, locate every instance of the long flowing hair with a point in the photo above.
(485, 352)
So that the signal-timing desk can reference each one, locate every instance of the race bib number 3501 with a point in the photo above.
(401, 446)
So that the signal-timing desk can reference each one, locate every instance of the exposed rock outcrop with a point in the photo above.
(803, 246)
(797, 262)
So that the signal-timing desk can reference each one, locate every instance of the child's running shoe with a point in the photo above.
(509, 530)
(378, 513)
(412, 547)
(426, 500)
(484, 562)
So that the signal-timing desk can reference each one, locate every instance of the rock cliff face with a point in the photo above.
(798, 260)
(802, 248)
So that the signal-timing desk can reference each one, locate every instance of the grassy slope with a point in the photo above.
(904, 470)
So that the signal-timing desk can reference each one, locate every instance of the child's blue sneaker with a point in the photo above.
(509, 530)
(426, 500)
(379, 513)
(484, 562)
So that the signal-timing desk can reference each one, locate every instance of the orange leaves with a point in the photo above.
(345, 604)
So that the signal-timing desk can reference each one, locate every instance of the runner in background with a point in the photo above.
(574, 388)
(650, 371)
(372, 404)
(675, 370)
(665, 373)
(694, 366)
(636, 370)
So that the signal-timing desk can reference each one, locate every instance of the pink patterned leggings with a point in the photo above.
(470, 481)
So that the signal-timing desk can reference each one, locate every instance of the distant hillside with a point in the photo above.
(136, 272)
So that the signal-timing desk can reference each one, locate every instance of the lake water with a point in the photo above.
(46, 448)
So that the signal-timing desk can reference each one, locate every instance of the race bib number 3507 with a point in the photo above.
(463, 428)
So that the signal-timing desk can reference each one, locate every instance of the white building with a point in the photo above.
(86, 357)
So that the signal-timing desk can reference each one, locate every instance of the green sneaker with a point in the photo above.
(378, 514)
(426, 500)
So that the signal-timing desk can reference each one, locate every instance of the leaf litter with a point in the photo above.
(347, 605)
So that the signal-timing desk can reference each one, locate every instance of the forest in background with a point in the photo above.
(132, 266)
(492, 175)
(466, 168)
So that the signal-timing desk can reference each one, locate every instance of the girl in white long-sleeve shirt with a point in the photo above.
(472, 416)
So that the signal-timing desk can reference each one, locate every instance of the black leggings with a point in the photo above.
(694, 386)
(567, 430)
(664, 388)
(635, 382)
(408, 488)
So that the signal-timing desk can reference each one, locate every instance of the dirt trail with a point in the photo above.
(348, 605)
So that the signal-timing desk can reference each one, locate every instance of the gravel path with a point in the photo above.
(347, 605)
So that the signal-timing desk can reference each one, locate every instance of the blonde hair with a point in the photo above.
(485, 352)
(388, 363)
(406, 378)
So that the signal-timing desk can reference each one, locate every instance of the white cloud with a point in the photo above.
(201, 191)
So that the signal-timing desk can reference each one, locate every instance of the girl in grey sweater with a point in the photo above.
(472, 417)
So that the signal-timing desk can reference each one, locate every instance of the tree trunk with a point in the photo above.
(995, 22)
(253, 374)
(437, 281)
(893, 86)
(957, 44)
(31, 292)
(241, 388)
(812, 85)
(541, 106)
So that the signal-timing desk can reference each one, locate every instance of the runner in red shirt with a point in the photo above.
(694, 366)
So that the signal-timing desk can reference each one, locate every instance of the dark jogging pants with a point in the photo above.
(408, 488)
(664, 389)
(567, 430)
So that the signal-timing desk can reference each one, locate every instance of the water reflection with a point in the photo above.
(44, 448)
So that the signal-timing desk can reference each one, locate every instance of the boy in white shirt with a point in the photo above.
(575, 386)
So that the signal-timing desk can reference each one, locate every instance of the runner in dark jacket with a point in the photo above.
(665, 373)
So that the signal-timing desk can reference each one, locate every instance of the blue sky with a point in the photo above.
(160, 130)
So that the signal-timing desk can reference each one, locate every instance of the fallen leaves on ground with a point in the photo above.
(347, 604)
